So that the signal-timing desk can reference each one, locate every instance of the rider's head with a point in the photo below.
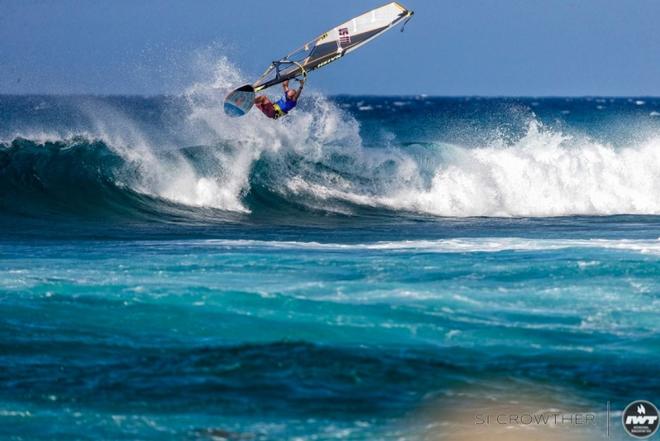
(291, 94)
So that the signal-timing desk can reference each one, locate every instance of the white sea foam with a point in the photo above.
(15, 413)
(545, 173)
(458, 245)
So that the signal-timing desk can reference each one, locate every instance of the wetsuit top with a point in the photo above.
(286, 105)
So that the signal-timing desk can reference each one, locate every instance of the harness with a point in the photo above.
(279, 113)
(284, 106)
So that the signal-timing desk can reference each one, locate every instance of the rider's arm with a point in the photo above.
(299, 91)
(285, 86)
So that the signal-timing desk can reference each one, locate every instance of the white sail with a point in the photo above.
(324, 49)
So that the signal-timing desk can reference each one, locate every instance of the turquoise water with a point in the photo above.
(369, 268)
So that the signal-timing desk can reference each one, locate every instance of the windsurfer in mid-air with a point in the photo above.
(284, 105)
(328, 48)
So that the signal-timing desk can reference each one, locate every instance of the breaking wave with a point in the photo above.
(114, 158)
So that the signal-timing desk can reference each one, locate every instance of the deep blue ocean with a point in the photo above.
(368, 268)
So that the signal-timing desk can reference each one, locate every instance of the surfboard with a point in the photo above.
(319, 52)
(240, 101)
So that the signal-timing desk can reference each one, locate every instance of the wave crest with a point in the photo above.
(133, 154)
(542, 174)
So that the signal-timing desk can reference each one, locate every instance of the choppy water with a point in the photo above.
(368, 268)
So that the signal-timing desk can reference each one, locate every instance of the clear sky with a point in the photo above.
(451, 47)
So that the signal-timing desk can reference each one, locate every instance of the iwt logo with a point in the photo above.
(640, 419)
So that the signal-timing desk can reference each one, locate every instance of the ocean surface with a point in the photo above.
(369, 268)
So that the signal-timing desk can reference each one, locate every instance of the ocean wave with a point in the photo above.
(329, 161)
(113, 156)
(540, 175)
(85, 177)
(91, 178)
(543, 175)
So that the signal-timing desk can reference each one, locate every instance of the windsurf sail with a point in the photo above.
(321, 51)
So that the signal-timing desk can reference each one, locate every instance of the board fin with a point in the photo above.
(240, 101)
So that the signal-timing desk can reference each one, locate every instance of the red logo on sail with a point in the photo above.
(344, 37)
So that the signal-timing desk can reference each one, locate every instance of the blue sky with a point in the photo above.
(453, 47)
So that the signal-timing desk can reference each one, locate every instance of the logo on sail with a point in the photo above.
(344, 37)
